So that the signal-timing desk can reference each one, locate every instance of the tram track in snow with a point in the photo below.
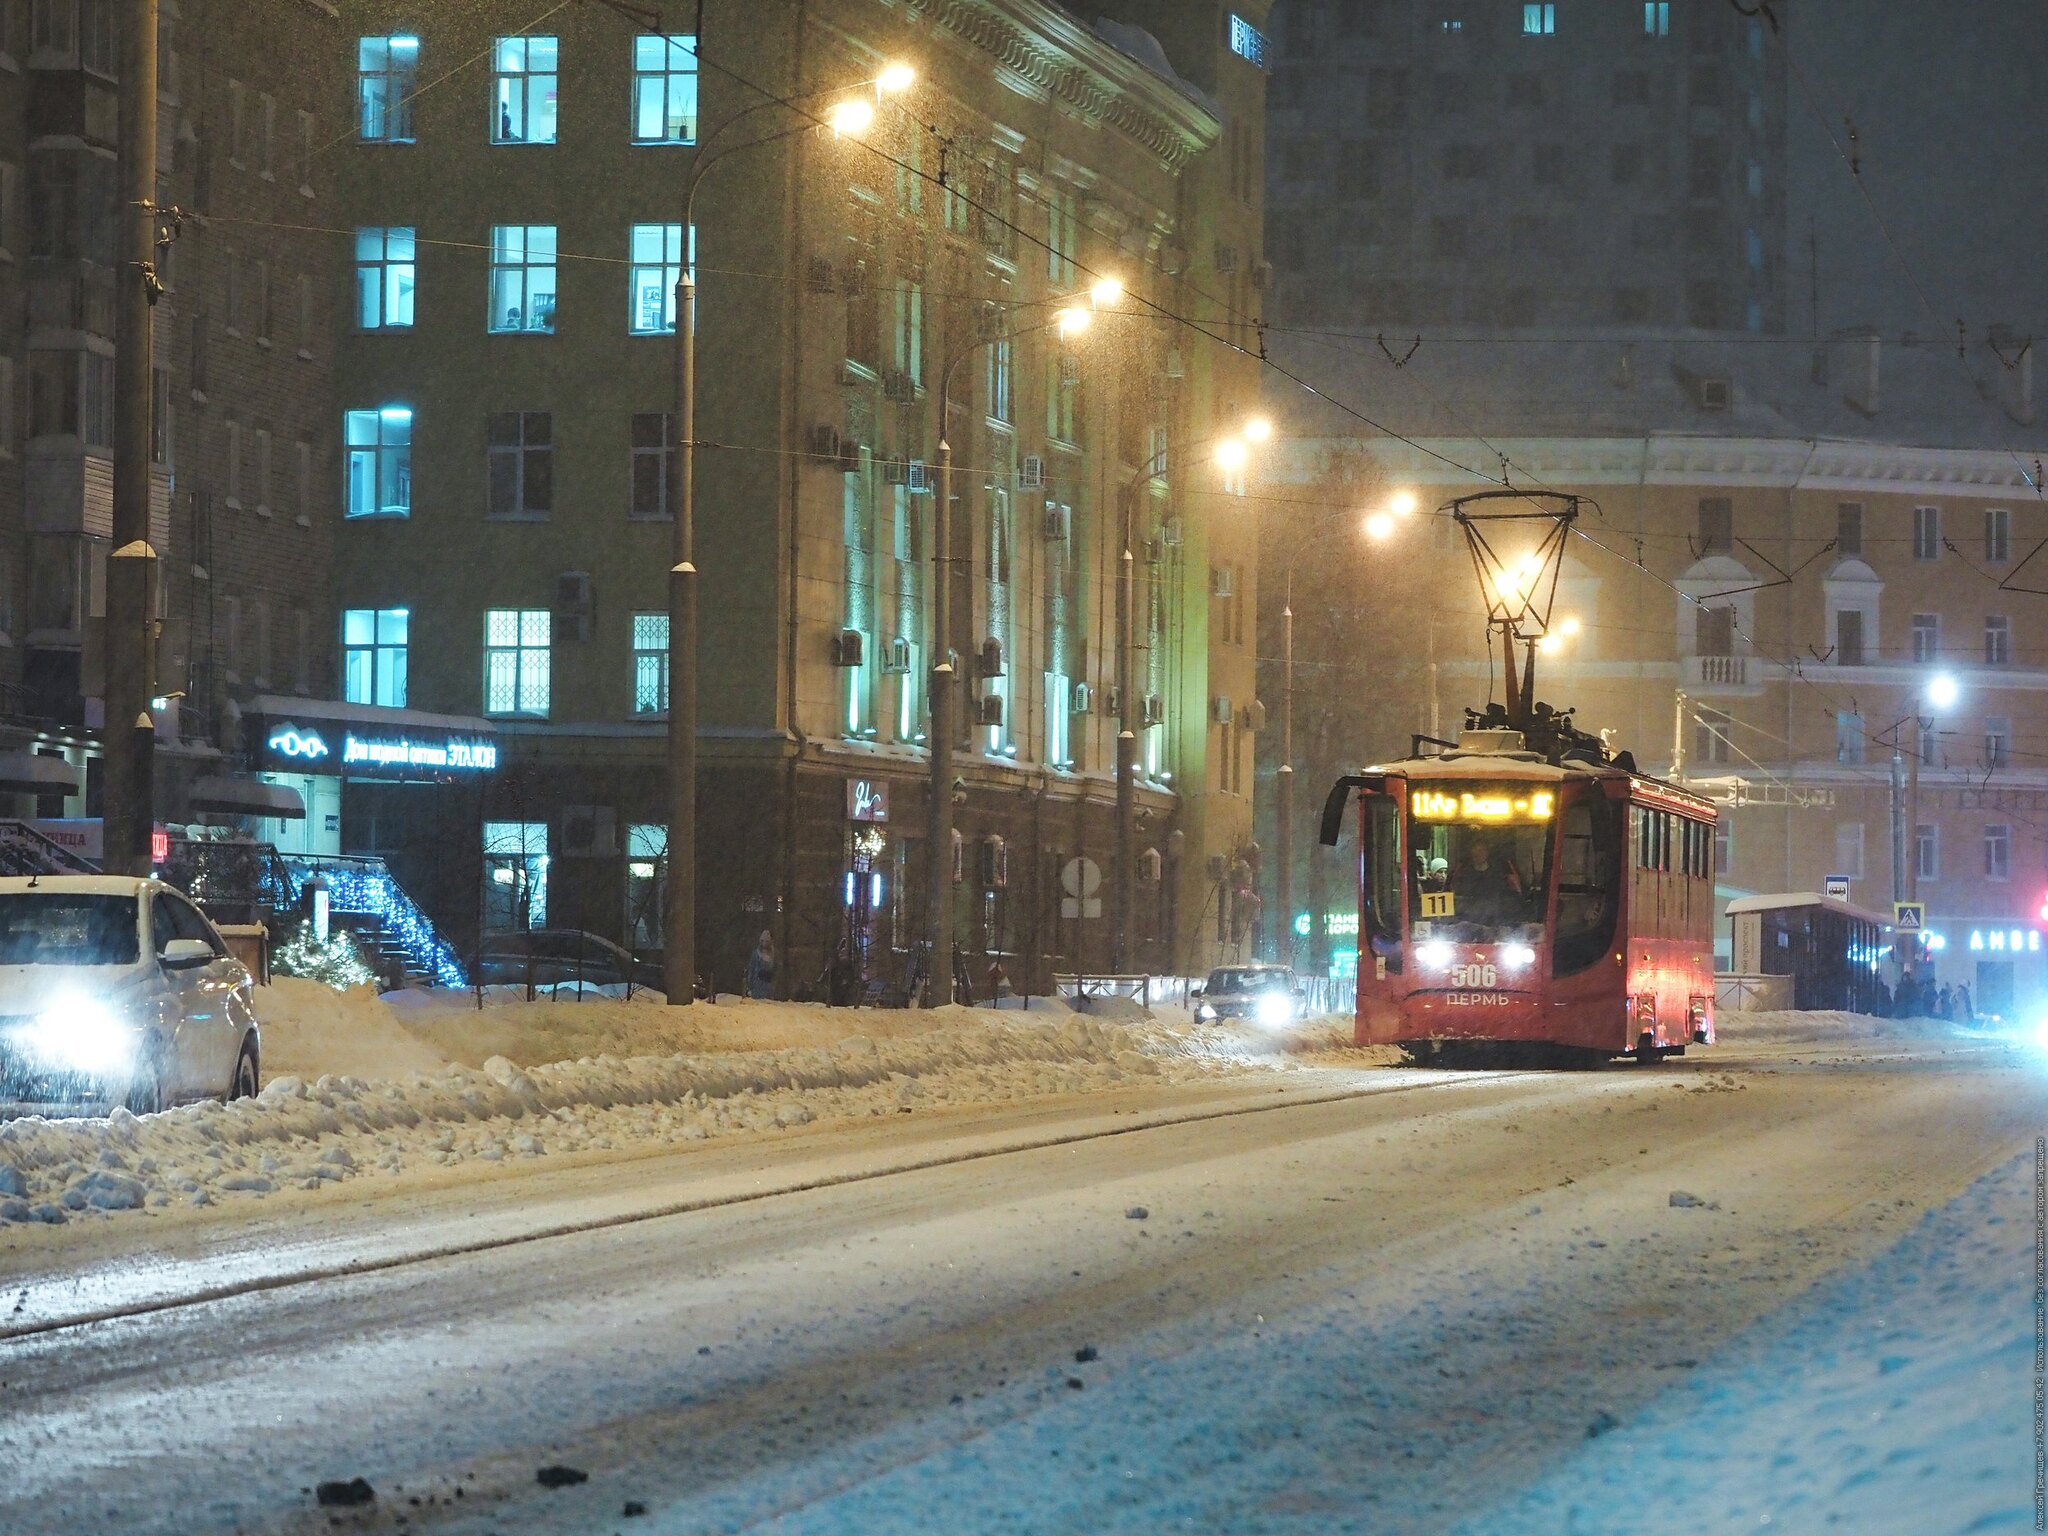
(408, 1257)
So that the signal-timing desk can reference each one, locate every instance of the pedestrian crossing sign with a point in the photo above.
(1909, 916)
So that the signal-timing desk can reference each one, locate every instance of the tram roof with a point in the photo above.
(1527, 768)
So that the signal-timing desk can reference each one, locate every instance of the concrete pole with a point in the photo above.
(131, 613)
(939, 827)
(679, 916)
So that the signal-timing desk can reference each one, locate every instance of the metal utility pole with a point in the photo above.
(1678, 739)
(939, 825)
(679, 914)
(1283, 785)
(1123, 877)
(128, 732)
(1913, 806)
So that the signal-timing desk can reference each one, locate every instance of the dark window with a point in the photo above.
(1849, 638)
(1704, 168)
(1465, 162)
(1588, 883)
(1631, 88)
(1717, 525)
(1547, 164)
(1715, 631)
(1386, 98)
(1849, 528)
(1628, 164)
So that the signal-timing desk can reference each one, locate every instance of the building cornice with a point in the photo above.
(1051, 52)
(1815, 464)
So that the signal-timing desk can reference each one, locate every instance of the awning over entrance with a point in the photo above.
(292, 735)
(246, 797)
(24, 773)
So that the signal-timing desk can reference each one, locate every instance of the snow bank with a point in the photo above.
(304, 1134)
(1824, 1026)
(310, 1029)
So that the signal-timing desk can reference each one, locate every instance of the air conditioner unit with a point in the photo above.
(1153, 710)
(1226, 258)
(573, 603)
(824, 276)
(849, 648)
(1713, 394)
(989, 710)
(1058, 522)
(1155, 550)
(1113, 701)
(896, 471)
(1031, 473)
(991, 657)
(1254, 716)
(995, 863)
(1218, 867)
(899, 386)
(1223, 581)
(825, 442)
(898, 664)
(1262, 275)
(589, 831)
(918, 477)
(1082, 700)
(1150, 866)
(1220, 711)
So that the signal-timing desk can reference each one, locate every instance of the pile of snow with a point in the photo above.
(310, 1029)
(1827, 1027)
(301, 1134)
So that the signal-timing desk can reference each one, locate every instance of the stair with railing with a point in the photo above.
(361, 886)
(25, 851)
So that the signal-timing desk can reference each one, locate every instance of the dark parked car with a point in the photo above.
(1264, 994)
(563, 960)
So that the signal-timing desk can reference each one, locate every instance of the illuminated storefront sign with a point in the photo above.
(361, 749)
(2005, 941)
(867, 800)
(1338, 925)
(1489, 803)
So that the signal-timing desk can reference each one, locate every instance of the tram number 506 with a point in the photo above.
(1475, 975)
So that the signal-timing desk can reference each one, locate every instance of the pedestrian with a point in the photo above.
(761, 967)
(1884, 999)
(1944, 1003)
(1966, 1010)
(998, 980)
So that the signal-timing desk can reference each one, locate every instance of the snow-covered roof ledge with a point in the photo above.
(1145, 48)
(1046, 49)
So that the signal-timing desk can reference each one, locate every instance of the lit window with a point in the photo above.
(387, 75)
(515, 875)
(1059, 718)
(910, 332)
(1539, 20)
(523, 90)
(1062, 397)
(1248, 42)
(380, 462)
(384, 278)
(1656, 17)
(373, 642)
(516, 661)
(664, 90)
(652, 452)
(523, 278)
(999, 380)
(656, 269)
(650, 663)
(646, 877)
(521, 449)
(1998, 853)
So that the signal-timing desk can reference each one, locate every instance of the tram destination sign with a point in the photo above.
(1482, 802)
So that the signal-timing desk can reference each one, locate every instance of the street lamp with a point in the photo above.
(1069, 320)
(679, 917)
(1231, 451)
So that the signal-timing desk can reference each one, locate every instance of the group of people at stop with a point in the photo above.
(1917, 997)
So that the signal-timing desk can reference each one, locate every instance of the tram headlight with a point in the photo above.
(1433, 955)
(1517, 956)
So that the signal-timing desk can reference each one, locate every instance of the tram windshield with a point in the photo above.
(1480, 881)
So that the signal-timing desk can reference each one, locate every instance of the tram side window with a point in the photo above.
(1589, 880)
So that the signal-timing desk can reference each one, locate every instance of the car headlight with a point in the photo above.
(82, 1035)
(1205, 1012)
(1274, 1009)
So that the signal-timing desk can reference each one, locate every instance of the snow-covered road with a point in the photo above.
(1320, 1301)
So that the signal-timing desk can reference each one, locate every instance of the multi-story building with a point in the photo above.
(1808, 580)
(513, 205)
(1488, 164)
(242, 448)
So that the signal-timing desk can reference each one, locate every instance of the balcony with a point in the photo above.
(1722, 674)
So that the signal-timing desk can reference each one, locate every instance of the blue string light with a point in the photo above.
(367, 886)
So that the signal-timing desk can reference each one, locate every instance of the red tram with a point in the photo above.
(1523, 887)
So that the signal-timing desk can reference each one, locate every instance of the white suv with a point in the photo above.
(117, 991)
